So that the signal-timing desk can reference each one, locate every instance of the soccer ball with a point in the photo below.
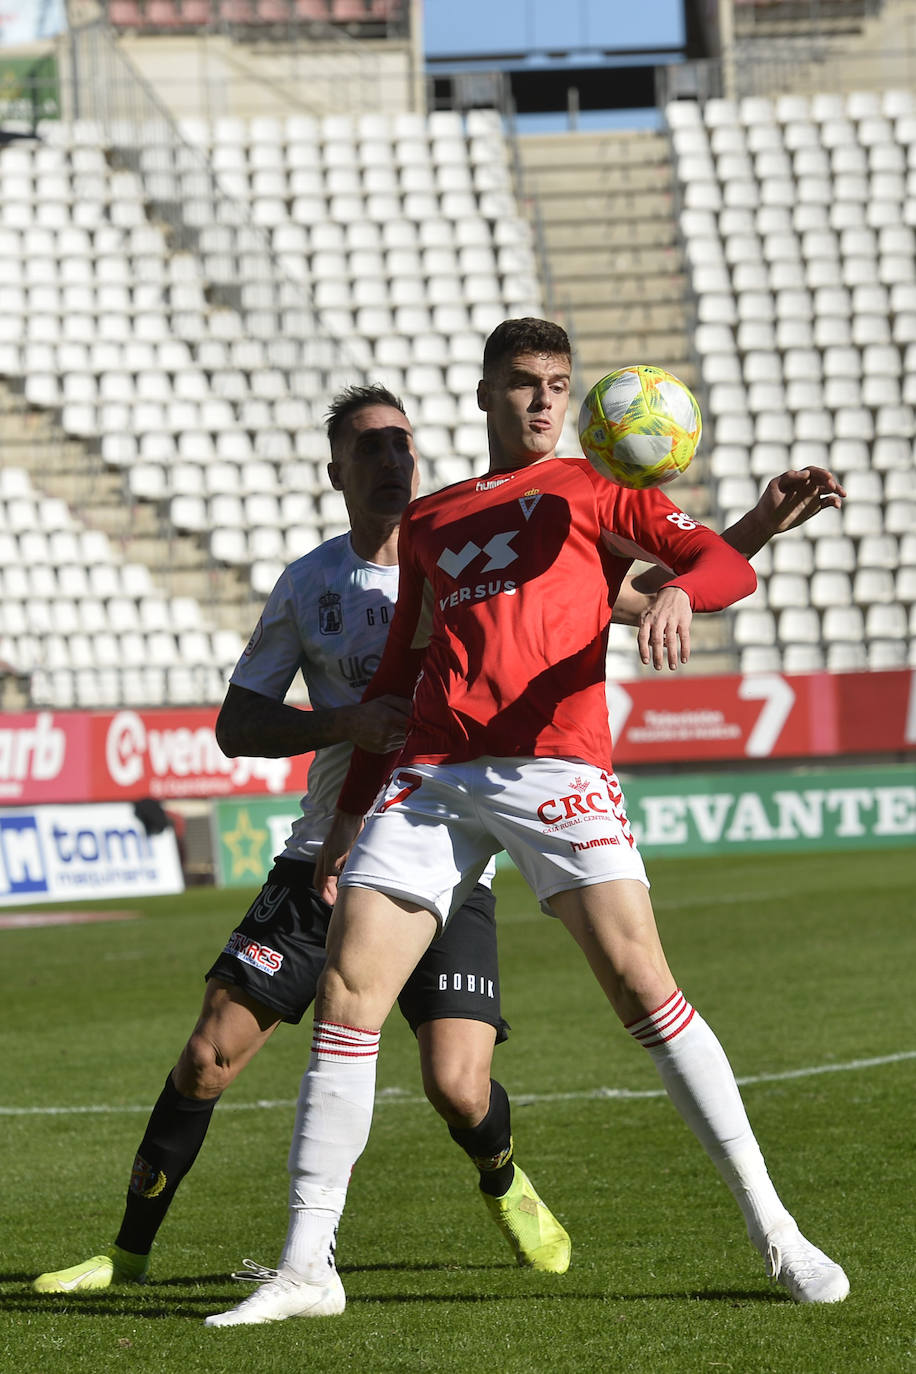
(640, 426)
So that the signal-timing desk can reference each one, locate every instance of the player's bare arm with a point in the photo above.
(337, 845)
(257, 726)
(786, 502)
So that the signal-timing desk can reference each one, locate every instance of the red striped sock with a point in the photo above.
(700, 1083)
(336, 1042)
(663, 1024)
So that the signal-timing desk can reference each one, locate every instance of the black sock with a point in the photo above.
(489, 1143)
(174, 1135)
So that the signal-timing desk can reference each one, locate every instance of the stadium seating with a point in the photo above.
(207, 395)
(78, 620)
(170, 16)
(797, 220)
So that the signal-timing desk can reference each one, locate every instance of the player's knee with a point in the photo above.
(351, 1000)
(459, 1092)
(202, 1070)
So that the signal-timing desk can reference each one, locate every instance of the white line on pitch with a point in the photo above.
(404, 1098)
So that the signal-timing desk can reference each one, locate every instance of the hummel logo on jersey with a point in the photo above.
(499, 553)
(683, 522)
(484, 485)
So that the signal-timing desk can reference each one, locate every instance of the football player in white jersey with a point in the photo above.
(328, 617)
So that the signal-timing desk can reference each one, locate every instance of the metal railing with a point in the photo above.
(766, 67)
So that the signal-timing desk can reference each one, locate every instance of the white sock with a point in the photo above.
(333, 1117)
(700, 1083)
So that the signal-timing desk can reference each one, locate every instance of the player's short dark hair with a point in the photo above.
(527, 335)
(354, 398)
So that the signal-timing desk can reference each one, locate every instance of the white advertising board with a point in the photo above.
(77, 853)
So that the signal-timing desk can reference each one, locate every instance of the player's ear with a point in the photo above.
(483, 395)
(334, 475)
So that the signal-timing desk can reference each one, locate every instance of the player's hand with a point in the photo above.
(334, 852)
(793, 497)
(380, 725)
(664, 629)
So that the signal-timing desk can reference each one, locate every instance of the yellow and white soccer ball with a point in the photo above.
(640, 426)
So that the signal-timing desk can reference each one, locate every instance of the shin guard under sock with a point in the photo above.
(174, 1135)
(333, 1117)
(489, 1143)
(700, 1083)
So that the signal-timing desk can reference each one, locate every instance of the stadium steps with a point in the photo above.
(72, 471)
(605, 207)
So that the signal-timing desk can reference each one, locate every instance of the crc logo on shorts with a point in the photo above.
(584, 799)
(253, 953)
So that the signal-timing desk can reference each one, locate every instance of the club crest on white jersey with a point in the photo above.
(330, 614)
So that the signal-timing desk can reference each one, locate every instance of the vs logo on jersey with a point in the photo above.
(330, 615)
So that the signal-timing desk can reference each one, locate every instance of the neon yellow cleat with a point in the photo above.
(118, 1266)
(537, 1239)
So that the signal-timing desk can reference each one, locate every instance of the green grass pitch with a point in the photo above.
(802, 964)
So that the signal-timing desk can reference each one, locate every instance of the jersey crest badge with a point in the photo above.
(330, 615)
(528, 503)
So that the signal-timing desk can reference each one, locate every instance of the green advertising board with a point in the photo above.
(29, 88)
(247, 834)
(755, 813)
(677, 815)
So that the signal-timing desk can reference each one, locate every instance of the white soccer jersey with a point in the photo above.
(328, 617)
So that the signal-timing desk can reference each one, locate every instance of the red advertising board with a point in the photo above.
(766, 715)
(77, 756)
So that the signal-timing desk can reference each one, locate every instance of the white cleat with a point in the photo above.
(806, 1273)
(283, 1295)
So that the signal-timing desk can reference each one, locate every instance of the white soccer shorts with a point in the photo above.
(435, 826)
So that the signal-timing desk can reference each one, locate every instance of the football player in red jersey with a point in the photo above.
(507, 588)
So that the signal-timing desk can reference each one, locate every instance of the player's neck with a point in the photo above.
(375, 541)
(513, 462)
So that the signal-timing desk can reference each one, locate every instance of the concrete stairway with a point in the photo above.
(98, 498)
(605, 205)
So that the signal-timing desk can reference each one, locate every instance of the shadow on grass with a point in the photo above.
(147, 1300)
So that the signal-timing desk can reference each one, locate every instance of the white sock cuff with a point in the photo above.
(344, 1044)
(663, 1024)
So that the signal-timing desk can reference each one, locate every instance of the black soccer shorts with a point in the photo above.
(277, 952)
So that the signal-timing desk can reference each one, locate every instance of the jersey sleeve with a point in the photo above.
(647, 525)
(273, 654)
(395, 675)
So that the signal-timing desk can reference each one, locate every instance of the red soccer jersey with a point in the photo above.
(507, 583)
